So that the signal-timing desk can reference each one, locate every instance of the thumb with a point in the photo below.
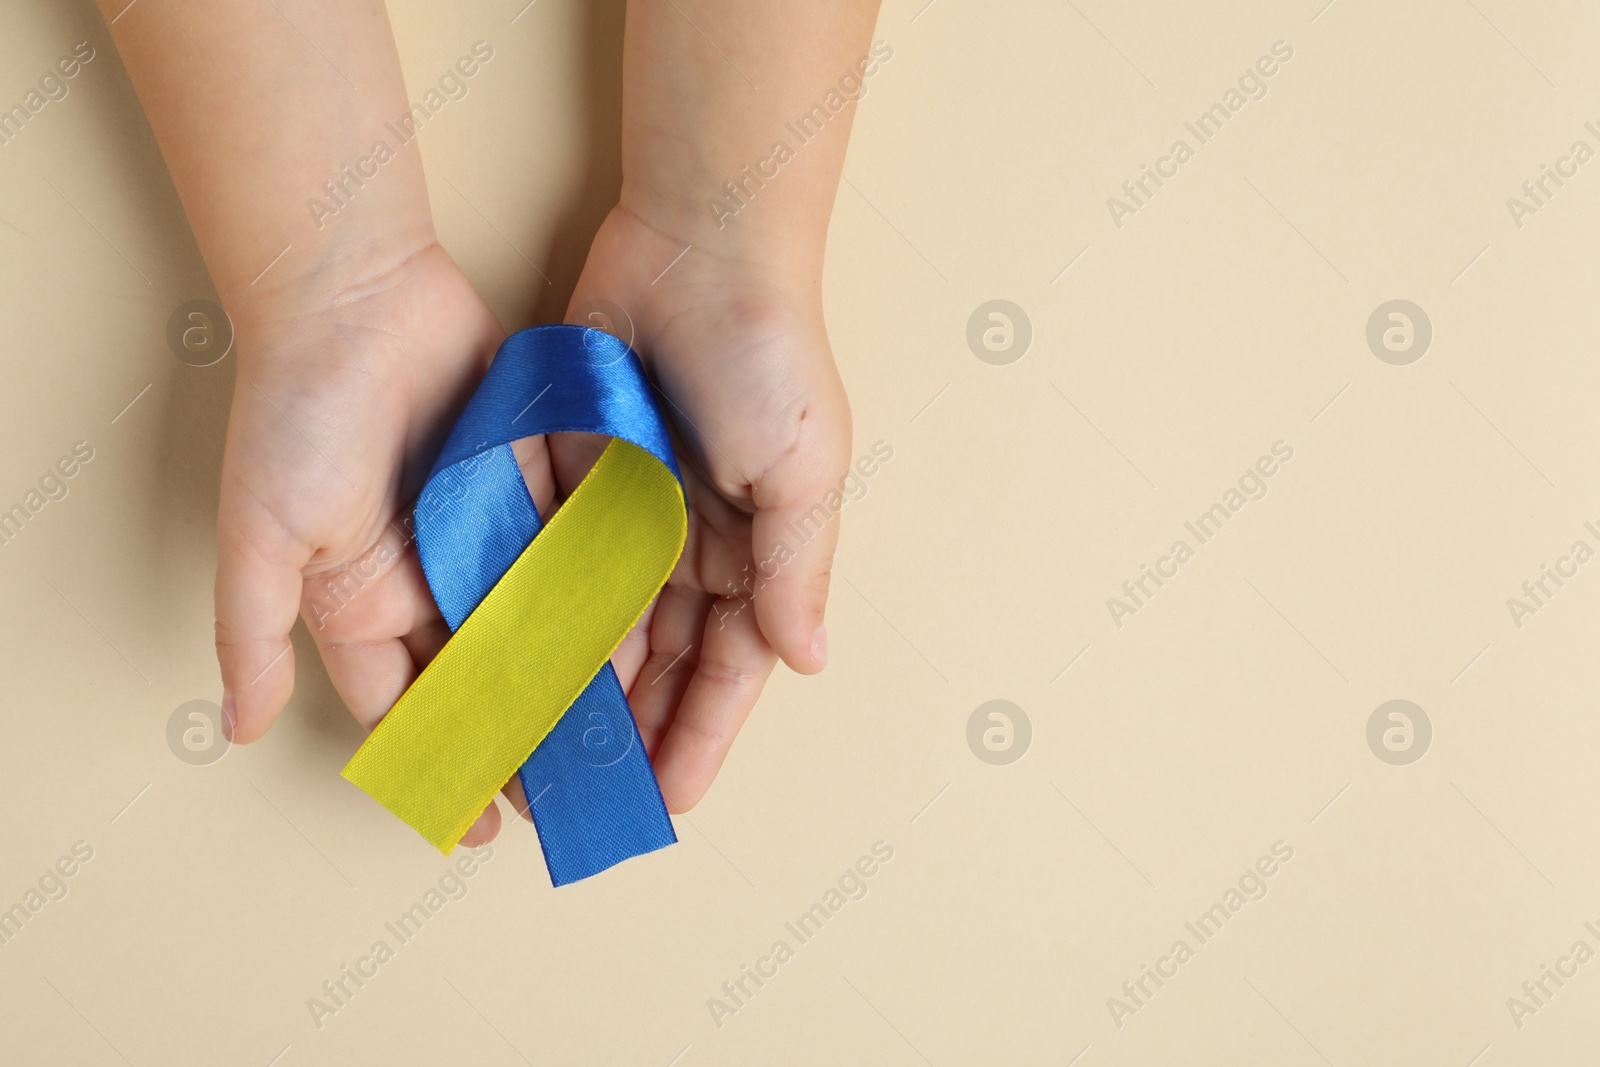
(793, 534)
(257, 600)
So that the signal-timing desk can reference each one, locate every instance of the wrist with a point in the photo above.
(767, 213)
(776, 243)
(311, 278)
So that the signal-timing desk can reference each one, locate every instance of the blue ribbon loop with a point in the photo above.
(589, 784)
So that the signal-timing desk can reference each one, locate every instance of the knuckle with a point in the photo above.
(727, 675)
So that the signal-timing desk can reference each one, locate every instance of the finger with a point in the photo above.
(717, 551)
(634, 652)
(533, 457)
(375, 624)
(657, 688)
(257, 598)
(794, 533)
(735, 661)
(485, 829)
(572, 454)
(519, 799)
(427, 641)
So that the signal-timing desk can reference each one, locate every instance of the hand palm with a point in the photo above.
(745, 378)
(337, 414)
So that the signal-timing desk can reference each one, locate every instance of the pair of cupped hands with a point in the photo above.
(349, 381)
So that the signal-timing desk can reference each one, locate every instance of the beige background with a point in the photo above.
(1228, 714)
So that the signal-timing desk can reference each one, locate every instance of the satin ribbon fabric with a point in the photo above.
(525, 684)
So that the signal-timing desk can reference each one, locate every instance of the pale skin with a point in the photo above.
(358, 348)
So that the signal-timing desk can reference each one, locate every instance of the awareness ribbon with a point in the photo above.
(525, 683)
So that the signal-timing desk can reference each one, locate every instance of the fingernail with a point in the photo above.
(229, 715)
(819, 646)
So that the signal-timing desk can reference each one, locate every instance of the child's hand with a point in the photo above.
(727, 313)
(358, 338)
(345, 393)
(741, 356)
